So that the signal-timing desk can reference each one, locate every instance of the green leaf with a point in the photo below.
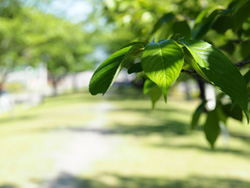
(153, 90)
(229, 47)
(189, 60)
(247, 77)
(135, 68)
(222, 24)
(235, 5)
(162, 63)
(182, 28)
(212, 128)
(164, 19)
(221, 114)
(106, 73)
(204, 26)
(233, 111)
(244, 50)
(134, 43)
(155, 94)
(196, 116)
(219, 70)
(134, 52)
(241, 14)
(148, 85)
(246, 33)
(202, 16)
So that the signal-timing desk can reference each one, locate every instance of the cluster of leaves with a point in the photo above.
(163, 61)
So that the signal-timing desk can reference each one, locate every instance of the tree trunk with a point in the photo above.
(201, 85)
(4, 77)
(54, 84)
(74, 83)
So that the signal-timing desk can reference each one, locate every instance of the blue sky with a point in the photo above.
(74, 10)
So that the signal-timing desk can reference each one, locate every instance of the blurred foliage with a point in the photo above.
(29, 36)
(124, 21)
(10, 9)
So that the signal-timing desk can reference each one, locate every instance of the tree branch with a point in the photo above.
(239, 64)
(188, 71)
(242, 63)
(237, 41)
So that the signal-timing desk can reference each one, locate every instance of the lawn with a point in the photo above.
(137, 147)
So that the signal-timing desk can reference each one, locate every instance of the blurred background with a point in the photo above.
(54, 134)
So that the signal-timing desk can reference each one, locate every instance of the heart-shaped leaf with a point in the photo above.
(162, 63)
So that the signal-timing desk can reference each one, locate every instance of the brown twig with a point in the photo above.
(239, 64)
(188, 71)
(242, 63)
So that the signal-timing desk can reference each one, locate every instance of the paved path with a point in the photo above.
(84, 148)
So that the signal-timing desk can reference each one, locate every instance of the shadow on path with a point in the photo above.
(172, 127)
(118, 181)
(7, 186)
(238, 152)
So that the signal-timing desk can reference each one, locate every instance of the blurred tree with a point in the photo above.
(10, 9)
(119, 22)
(63, 52)
(29, 36)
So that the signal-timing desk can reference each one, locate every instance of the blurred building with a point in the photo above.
(29, 85)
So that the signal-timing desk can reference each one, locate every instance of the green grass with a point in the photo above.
(31, 141)
(153, 149)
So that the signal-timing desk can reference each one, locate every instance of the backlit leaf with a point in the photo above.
(155, 94)
(162, 63)
(148, 85)
(153, 91)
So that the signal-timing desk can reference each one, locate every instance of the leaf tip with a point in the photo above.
(91, 92)
(247, 116)
(153, 106)
(165, 98)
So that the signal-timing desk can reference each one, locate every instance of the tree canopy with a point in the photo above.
(29, 36)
